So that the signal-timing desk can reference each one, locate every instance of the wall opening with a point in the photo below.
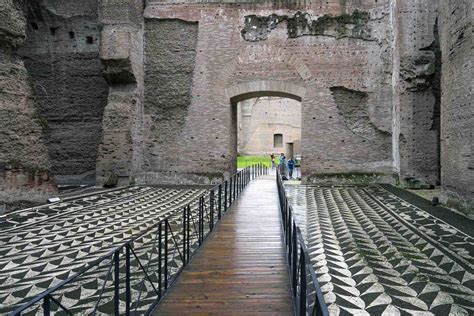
(277, 140)
(266, 124)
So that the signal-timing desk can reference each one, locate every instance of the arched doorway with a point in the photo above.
(266, 119)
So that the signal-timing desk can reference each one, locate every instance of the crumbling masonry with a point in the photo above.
(148, 90)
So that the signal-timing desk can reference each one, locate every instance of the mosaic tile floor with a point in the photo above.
(42, 246)
(377, 254)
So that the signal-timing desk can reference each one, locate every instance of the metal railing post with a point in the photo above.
(128, 290)
(230, 191)
(225, 196)
(211, 210)
(238, 184)
(302, 283)
(234, 189)
(288, 236)
(166, 254)
(160, 258)
(220, 202)
(187, 223)
(200, 221)
(46, 306)
(239, 176)
(184, 235)
(294, 262)
(116, 283)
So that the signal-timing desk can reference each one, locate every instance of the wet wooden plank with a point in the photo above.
(241, 268)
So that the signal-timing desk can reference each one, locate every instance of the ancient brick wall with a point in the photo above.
(419, 89)
(457, 110)
(24, 160)
(170, 50)
(155, 102)
(350, 53)
(61, 54)
(259, 119)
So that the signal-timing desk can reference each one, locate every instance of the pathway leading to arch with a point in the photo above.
(241, 267)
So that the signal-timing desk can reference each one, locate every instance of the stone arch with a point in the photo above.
(278, 55)
(256, 88)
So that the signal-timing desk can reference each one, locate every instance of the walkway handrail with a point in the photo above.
(162, 253)
(307, 296)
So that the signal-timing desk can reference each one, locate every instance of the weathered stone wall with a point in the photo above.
(61, 54)
(457, 109)
(24, 160)
(170, 51)
(259, 119)
(419, 89)
(305, 64)
(121, 51)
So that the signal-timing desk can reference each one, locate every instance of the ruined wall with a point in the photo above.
(354, 107)
(350, 50)
(170, 51)
(457, 109)
(121, 52)
(259, 119)
(419, 89)
(61, 54)
(24, 160)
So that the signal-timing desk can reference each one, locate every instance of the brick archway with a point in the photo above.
(256, 88)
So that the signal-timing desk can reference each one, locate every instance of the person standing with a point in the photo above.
(272, 156)
(291, 167)
(282, 165)
(282, 159)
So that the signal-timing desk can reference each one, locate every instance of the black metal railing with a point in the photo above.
(133, 277)
(306, 292)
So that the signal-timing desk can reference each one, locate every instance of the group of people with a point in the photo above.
(284, 164)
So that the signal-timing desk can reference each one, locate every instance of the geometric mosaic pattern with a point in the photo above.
(377, 254)
(42, 246)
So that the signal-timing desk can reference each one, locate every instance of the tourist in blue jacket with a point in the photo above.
(291, 167)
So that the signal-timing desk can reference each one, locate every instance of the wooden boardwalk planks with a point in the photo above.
(241, 269)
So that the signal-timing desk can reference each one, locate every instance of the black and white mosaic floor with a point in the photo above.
(42, 246)
(377, 254)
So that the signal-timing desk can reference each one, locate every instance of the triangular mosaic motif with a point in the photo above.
(40, 247)
(376, 254)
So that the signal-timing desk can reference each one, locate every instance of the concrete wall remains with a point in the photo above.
(457, 109)
(24, 160)
(121, 52)
(385, 89)
(349, 52)
(419, 88)
(61, 54)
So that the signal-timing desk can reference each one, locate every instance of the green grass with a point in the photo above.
(245, 161)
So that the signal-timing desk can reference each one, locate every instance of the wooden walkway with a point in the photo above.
(241, 268)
